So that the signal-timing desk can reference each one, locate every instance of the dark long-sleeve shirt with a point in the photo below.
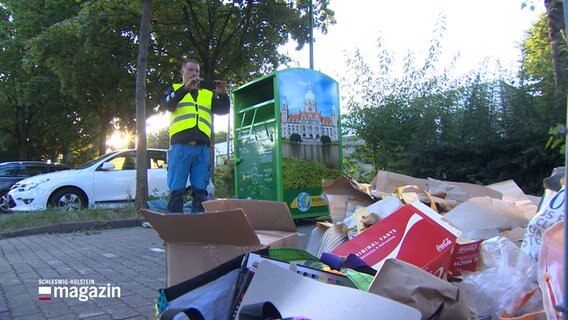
(220, 105)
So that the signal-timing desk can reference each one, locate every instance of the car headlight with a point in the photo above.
(30, 185)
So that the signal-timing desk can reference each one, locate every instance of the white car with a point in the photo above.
(109, 180)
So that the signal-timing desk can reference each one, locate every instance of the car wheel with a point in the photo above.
(68, 199)
(4, 203)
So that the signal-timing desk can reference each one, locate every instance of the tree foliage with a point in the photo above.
(35, 112)
(67, 74)
(484, 127)
(236, 40)
(83, 53)
(93, 54)
(294, 137)
(221, 136)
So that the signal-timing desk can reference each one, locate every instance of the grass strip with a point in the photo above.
(23, 220)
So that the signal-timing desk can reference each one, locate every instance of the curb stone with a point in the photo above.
(68, 227)
(4, 309)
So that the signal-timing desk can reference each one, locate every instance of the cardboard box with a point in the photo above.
(297, 296)
(414, 233)
(465, 257)
(196, 243)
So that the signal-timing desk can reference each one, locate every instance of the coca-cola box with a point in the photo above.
(414, 233)
(465, 257)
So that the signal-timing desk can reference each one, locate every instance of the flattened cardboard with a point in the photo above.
(485, 213)
(386, 181)
(196, 243)
(512, 193)
(298, 296)
(414, 233)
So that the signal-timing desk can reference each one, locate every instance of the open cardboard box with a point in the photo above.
(196, 243)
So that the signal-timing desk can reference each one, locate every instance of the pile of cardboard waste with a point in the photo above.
(451, 250)
(397, 248)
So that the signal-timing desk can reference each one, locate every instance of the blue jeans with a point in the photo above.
(185, 160)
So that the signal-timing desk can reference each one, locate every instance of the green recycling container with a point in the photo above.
(287, 114)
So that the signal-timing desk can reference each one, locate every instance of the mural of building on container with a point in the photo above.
(309, 116)
(308, 123)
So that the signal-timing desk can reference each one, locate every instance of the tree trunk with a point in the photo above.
(105, 126)
(23, 134)
(141, 154)
(556, 25)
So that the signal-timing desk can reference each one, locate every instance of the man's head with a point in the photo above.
(190, 69)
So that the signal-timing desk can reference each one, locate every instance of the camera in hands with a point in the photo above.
(207, 84)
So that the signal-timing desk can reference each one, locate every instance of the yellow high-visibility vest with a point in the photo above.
(190, 113)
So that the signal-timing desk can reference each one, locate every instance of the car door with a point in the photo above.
(117, 184)
(8, 177)
(157, 173)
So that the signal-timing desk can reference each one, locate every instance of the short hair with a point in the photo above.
(188, 61)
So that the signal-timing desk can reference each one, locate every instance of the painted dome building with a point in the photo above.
(309, 122)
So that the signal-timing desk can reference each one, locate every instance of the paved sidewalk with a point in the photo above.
(132, 259)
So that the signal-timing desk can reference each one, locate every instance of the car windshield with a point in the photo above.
(90, 163)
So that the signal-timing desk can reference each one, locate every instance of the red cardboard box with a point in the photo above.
(465, 256)
(414, 233)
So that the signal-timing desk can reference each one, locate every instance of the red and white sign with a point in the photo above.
(414, 233)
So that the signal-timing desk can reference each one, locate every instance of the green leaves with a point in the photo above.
(557, 138)
(88, 50)
(483, 127)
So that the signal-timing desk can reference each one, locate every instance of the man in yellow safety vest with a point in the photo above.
(192, 104)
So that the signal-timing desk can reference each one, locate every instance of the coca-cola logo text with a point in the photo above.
(445, 243)
(468, 248)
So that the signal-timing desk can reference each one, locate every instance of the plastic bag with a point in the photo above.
(551, 211)
(508, 274)
(551, 269)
